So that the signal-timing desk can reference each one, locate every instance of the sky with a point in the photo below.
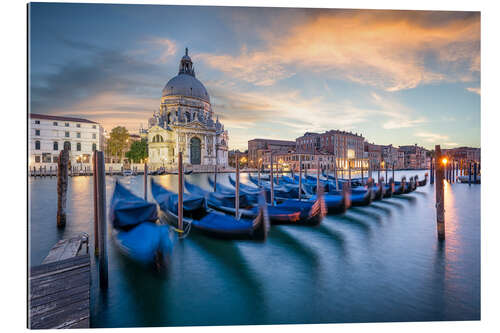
(396, 77)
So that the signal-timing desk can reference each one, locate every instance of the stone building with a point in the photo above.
(50, 134)
(257, 149)
(184, 123)
(344, 145)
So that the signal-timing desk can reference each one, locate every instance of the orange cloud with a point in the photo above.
(386, 49)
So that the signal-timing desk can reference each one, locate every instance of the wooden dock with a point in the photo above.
(59, 288)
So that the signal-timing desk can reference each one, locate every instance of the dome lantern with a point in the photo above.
(186, 65)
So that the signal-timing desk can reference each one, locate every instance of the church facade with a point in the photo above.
(184, 123)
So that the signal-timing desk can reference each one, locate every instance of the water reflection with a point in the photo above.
(330, 273)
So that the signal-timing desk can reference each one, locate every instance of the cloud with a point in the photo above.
(166, 47)
(288, 114)
(476, 90)
(392, 50)
(109, 81)
(432, 137)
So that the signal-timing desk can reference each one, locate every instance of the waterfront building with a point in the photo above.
(257, 148)
(184, 123)
(48, 135)
(243, 157)
(343, 145)
(390, 155)
(374, 154)
(290, 161)
(465, 154)
(414, 157)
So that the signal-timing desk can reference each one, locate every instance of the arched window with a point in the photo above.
(157, 138)
(188, 117)
(37, 145)
(67, 145)
(78, 146)
(56, 145)
(195, 144)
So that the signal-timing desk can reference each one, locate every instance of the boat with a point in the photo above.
(197, 216)
(285, 211)
(128, 173)
(423, 182)
(465, 179)
(135, 231)
(400, 187)
(284, 191)
(188, 172)
(389, 189)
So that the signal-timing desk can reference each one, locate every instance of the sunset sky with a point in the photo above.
(399, 77)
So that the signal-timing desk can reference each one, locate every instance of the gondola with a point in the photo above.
(283, 191)
(287, 211)
(198, 216)
(135, 231)
(389, 189)
(400, 187)
(423, 182)
(188, 172)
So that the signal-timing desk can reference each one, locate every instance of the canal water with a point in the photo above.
(373, 264)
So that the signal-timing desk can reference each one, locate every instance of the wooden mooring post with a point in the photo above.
(237, 188)
(62, 187)
(386, 171)
(439, 194)
(146, 181)
(272, 182)
(349, 167)
(96, 213)
(300, 177)
(432, 170)
(101, 210)
(215, 170)
(180, 190)
(393, 164)
(317, 177)
(336, 177)
(475, 173)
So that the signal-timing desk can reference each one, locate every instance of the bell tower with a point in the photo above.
(186, 65)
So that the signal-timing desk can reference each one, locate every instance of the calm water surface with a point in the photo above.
(376, 263)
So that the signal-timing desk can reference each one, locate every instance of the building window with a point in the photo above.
(66, 134)
(66, 124)
(37, 122)
(67, 145)
(78, 135)
(77, 125)
(37, 145)
(46, 158)
(78, 146)
(54, 123)
(93, 136)
(56, 145)
(37, 132)
(94, 147)
(37, 159)
(93, 126)
(55, 158)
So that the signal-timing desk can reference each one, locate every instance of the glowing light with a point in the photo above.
(444, 161)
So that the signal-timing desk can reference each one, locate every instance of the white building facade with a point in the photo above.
(184, 123)
(48, 135)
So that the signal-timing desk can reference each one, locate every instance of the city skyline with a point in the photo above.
(396, 77)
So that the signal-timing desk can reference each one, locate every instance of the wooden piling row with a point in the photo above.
(101, 212)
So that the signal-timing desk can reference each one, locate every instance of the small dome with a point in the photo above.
(186, 85)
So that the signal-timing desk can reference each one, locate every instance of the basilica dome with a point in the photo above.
(186, 83)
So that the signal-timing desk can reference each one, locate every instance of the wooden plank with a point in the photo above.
(61, 274)
(64, 249)
(52, 288)
(60, 290)
(37, 270)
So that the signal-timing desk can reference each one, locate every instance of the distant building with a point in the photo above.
(374, 154)
(465, 154)
(48, 135)
(415, 157)
(343, 145)
(257, 148)
(290, 161)
(390, 156)
(243, 157)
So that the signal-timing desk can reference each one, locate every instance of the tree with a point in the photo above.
(138, 151)
(118, 141)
